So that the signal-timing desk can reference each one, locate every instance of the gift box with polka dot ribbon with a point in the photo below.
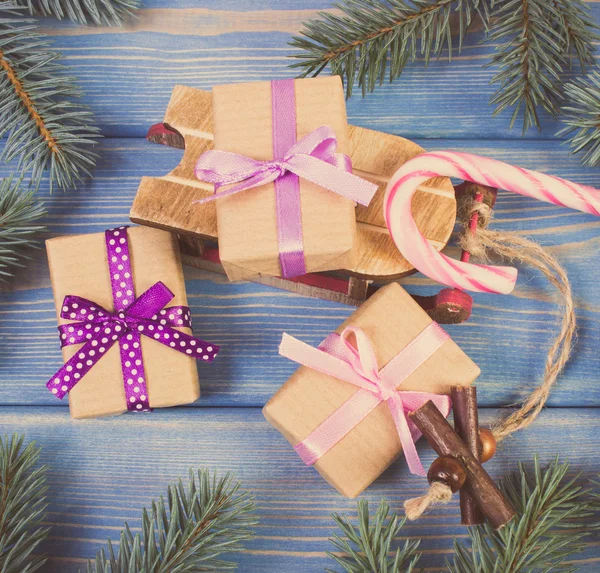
(124, 324)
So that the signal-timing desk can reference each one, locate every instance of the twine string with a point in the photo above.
(512, 247)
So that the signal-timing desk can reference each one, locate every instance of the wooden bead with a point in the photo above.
(448, 470)
(488, 444)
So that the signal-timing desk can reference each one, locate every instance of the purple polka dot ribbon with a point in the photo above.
(98, 328)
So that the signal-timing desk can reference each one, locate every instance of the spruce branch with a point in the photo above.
(45, 127)
(99, 12)
(581, 116)
(551, 509)
(538, 40)
(367, 548)
(19, 212)
(577, 28)
(22, 506)
(209, 517)
(357, 44)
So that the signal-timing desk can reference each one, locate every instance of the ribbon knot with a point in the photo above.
(313, 158)
(357, 364)
(98, 329)
(280, 167)
(385, 393)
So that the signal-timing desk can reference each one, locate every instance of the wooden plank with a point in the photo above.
(247, 319)
(179, 42)
(99, 477)
(167, 202)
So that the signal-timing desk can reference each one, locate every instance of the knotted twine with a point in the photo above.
(511, 247)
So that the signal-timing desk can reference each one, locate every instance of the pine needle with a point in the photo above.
(99, 12)
(537, 41)
(358, 43)
(554, 515)
(45, 127)
(581, 116)
(368, 547)
(22, 506)
(19, 212)
(552, 510)
(207, 518)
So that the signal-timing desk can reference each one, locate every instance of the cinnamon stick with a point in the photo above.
(466, 425)
(445, 441)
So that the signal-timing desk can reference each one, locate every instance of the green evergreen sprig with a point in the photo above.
(551, 509)
(19, 213)
(581, 116)
(44, 125)
(99, 12)
(554, 514)
(368, 547)
(22, 506)
(358, 43)
(537, 42)
(207, 518)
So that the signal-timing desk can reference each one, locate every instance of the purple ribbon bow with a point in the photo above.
(313, 158)
(98, 329)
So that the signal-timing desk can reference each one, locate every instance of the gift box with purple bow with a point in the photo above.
(345, 409)
(284, 184)
(124, 323)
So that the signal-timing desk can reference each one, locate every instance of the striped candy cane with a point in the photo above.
(467, 276)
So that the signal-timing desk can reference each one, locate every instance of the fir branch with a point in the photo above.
(530, 60)
(356, 45)
(366, 548)
(204, 520)
(22, 506)
(581, 116)
(538, 539)
(99, 12)
(538, 39)
(44, 127)
(19, 212)
(576, 26)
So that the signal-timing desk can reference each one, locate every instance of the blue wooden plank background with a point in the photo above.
(100, 476)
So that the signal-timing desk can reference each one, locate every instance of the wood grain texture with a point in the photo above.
(247, 319)
(167, 202)
(479, 485)
(234, 41)
(466, 425)
(99, 477)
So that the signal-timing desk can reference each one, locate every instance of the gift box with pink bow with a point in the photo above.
(124, 323)
(345, 409)
(283, 180)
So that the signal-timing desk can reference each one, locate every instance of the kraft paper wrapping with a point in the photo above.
(78, 266)
(391, 319)
(247, 225)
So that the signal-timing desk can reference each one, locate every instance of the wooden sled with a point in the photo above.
(167, 202)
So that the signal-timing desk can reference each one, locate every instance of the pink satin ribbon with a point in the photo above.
(337, 357)
(313, 158)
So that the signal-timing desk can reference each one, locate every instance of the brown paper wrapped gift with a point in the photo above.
(390, 319)
(247, 226)
(78, 266)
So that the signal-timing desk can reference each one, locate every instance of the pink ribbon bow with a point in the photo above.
(357, 365)
(313, 158)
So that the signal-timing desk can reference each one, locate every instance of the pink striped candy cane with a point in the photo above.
(425, 258)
